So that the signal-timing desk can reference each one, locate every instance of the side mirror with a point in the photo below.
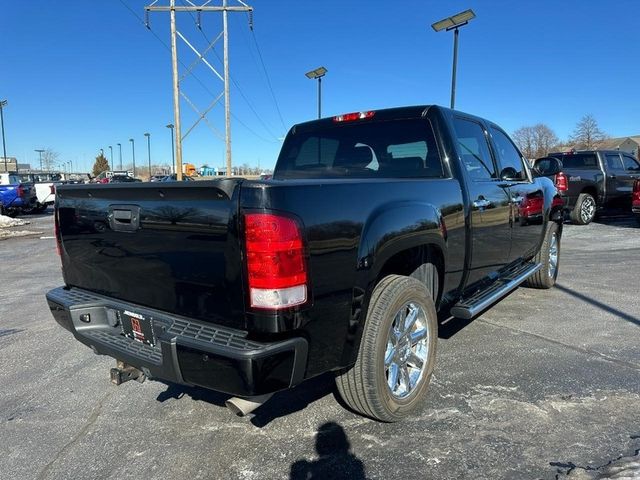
(547, 166)
(509, 173)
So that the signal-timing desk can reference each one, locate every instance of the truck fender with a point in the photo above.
(390, 229)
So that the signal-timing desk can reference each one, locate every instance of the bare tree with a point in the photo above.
(535, 141)
(49, 159)
(587, 135)
(545, 140)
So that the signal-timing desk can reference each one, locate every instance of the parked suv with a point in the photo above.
(592, 180)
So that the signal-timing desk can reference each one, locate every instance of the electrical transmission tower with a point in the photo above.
(192, 8)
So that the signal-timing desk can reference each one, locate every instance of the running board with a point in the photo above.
(469, 307)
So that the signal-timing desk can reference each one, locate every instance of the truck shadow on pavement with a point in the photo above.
(602, 306)
(280, 405)
(335, 459)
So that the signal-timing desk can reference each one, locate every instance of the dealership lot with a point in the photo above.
(545, 384)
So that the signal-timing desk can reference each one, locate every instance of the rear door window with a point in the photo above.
(614, 162)
(630, 164)
(474, 149)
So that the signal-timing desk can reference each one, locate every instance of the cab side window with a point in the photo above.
(474, 149)
(508, 155)
(630, 164)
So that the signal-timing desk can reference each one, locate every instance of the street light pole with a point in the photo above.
(318, 73)
(454, 23)
(173, 150)
(148, 135)
(111, 148)
(133, 151)
(3, 103)
(40, 152)
(120, 148)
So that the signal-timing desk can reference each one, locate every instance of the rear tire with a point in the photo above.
(397, 353)
(584, 210)
(549, 257)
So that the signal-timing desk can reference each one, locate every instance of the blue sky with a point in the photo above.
(82, 75)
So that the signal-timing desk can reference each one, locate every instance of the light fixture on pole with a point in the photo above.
(318, 73)
(120, 148)
(111, 149)
(148, 135)
(454, 23)
(40, 152)
(3, 103)
(173, 149)
(133, 152)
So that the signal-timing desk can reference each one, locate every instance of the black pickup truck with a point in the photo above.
(591, 181)
(372, 223)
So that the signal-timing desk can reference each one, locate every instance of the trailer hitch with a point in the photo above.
(123, 373)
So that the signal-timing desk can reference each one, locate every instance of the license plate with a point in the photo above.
(138, 327)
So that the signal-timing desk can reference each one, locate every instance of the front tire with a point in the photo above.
(397, 353)
(549, 257)
(584, 210)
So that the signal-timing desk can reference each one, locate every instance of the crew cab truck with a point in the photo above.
(372, 223)
(15, 196)
(592, 181)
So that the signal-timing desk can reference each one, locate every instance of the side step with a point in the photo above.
(469, 307)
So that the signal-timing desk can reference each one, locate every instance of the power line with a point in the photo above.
(233, 80)
(266, 74)
(200, 82)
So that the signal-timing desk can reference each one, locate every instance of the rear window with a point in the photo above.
(583, 161)
(400, 149)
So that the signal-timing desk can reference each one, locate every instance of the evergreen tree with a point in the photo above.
(101, 165)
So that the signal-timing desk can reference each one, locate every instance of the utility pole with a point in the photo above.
(3, 103)
(148, 135)
(198, 9)
(133, 153)
(120, 148)
(40, 151)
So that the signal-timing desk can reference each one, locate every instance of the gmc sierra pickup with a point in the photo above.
(372, 223)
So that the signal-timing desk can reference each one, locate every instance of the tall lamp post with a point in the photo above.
(454, 23)
(133, 152)
(318, 73)
(111, 149)
(120, 148)
(3, 103)
(40, 151)
(148, 135)
(173, 149)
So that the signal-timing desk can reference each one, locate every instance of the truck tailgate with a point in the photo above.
(169, 246)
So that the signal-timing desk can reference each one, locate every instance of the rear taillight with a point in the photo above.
(562, 183)
(276, 267)
(20, 191)
(636, 193)
(56, 234)
(53, 189)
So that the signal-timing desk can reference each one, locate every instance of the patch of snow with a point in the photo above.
(6, 222)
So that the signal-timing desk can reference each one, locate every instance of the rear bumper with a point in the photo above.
(186, 351)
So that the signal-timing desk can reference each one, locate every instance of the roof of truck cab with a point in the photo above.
(396, 113)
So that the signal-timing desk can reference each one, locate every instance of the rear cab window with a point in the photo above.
(582, 161)
(362, 149)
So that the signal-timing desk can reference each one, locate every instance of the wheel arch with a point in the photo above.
(396, 240)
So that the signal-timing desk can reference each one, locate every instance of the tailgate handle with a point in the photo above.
(124, 218)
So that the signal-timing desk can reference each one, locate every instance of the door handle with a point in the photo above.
(481, 203)
(613, 177)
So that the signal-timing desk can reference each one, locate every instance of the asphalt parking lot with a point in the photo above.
(546, 384)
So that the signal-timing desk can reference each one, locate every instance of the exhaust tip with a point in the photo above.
(244, 406)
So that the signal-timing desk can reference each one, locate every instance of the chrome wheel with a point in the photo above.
(407, 350)
(553, 255)
(587, 209)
